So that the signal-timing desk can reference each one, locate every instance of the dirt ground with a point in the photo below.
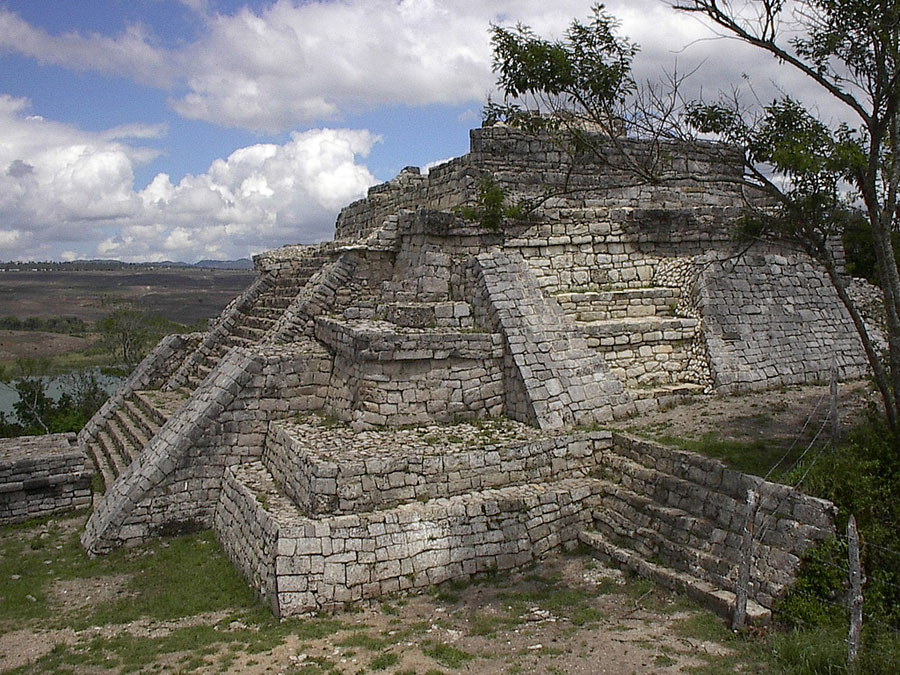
(778, 415)
(37, 345)
(569, 614)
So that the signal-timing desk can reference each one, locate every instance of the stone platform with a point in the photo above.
(42, 475)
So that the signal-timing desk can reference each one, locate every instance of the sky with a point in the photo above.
(150, 130)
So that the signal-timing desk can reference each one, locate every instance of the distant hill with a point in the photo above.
(241, 264)
(100, 265)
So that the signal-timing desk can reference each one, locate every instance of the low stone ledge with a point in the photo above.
(332, 469)
(40, 475)
(372, 340)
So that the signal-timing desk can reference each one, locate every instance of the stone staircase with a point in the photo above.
(247, 325)
(655, 353)
(678, 518)
(124, 435)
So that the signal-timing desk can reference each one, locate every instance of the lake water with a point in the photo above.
(55, 387)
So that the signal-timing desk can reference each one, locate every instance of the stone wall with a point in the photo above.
(444, 187)
(714, 499)
(387, 375)
(322, 564)
(359, 521)
(41, 475)
(774, 319)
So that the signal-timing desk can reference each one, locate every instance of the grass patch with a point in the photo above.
(384, 661)
(360, 639)
(36, 555)
(156, 588)
(127, 653)
(488, 624)
(703, 626)
(447, 655)
(754, 457)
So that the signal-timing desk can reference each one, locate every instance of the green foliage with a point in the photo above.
(36, 412)
(824, 650)
(588, 71)
(755, 457)
(129, 330)
(447, 655)
(816, 599)
(812, 160)
(859, 249)
(862, 478)
(491, 208)
(384, 661)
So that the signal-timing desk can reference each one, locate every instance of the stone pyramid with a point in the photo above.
(422, 399)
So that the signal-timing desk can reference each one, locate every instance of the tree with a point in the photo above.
(126, 331)
(818, 176)
(585, 81)
(828, 172)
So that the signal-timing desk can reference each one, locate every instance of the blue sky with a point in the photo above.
(189, 129)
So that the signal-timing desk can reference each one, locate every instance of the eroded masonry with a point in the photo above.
(421, 399)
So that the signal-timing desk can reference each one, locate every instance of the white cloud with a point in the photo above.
(67, 191)
(294, 63)
(133, 53)
(299, 63)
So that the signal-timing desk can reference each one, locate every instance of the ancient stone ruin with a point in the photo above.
(422, 399)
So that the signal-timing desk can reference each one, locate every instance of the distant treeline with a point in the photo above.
(56, 324)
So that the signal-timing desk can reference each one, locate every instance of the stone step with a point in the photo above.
(137, 436)
(252, 334)
(237, 340)
(262, 314)
(146, 424)
(719, 600)
(640, 331)
(161, 405)
(683, 527)
(671, 490)
(269, 302)
(101, 463)
(261, 322)
(148, 403)
(619, 303)
(125, 445)
(655, 540)
(112, 452)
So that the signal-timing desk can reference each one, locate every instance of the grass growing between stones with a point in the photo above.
(754, 457)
